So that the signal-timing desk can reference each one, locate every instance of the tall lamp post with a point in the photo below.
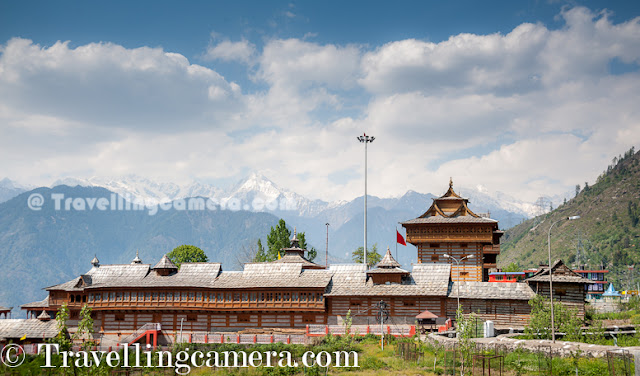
(365, 139)
(326, 257)
(553, 327)
(467, 257)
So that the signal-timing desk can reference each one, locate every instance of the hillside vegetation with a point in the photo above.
(608, 230)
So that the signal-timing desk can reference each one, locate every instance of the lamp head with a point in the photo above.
(446, 255)
(469, 256)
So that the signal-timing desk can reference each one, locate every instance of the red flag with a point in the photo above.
(400, 239)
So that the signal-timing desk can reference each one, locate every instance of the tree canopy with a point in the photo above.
(373, 257)
(280, 237)
(187, 253)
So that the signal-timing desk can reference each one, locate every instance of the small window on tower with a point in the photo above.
(434, 245)
(435, 257)
(463, 245)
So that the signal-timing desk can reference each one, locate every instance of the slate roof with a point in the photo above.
(388, 261)
(44, 303)
(274, 275)
(44, 316)
(424, 280)
(491, 290)
(165, 263)
(542, 275)
(426, 315)
(440, 219)
(2, 309)
(32, 328)
(204, 274)
(294, 258)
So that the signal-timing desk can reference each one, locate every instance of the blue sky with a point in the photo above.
(527, 98)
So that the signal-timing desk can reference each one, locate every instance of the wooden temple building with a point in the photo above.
(294, 292)
(450, 228)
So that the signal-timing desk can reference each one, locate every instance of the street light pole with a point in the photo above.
(467, 257)
(553, 328)
(365, 139)
(326, 259)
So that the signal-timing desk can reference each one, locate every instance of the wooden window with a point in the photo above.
(294, 296)
(308, 319)
(245, 296)
(434, 245)
(355, 303)
(435, 257)
(73, 298)
(262, 297)
(236, 296)
(126, 296)
(320, 297)
(119, 297)
(464, 274)
(244, 318)
(84, 298)
(169, 296)
(141, 296)
(199, 297)
(90, 298)
(74, 315)
(409, 303)
(303, 296)
(269, 296)
(253, 296)
(220, 297)
(278, 297)
(105, 296)
(119, 317)
(183, 296)
(286, 297)
(192, 296)
(147, 296)
(463, 245)
(227, 297)
(155, 296)
(112, 297)
(560, 292)
(192, 317)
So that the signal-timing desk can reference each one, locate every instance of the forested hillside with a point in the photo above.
(607, 235)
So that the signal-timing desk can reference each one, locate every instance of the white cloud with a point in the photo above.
(242, 51)
(534, 111)
(104, 84)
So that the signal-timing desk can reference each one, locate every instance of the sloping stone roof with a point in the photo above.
(32, 328)
(293, 258)
(424, 280)
(2, 308)
(44, 303)
(561, 273)
(491, 290)
(440, 219)
(165, 263)
(388, 261)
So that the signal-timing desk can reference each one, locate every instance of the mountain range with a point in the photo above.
(32, 241)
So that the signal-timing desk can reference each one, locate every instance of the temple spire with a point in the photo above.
(136, 260)
(95, 262)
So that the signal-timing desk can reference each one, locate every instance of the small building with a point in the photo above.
(568, 286)
(5, 312)
(506, 277)
(611, 293)
(595, 289)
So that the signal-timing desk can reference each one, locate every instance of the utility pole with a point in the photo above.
(326, 258)
(365, 139)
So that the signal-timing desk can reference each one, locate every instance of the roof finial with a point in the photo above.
(450, 182)
(136, 260)
(95, 262)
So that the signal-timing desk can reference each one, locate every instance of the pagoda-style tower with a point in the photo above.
(449, 227)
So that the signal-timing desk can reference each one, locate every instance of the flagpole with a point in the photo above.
(396, 243)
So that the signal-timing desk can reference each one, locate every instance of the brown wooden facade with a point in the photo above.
(449, 227)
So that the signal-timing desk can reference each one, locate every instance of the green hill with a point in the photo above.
(609, 228)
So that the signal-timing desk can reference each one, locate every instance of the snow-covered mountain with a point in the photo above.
(10, 189)
(290, 205)
(145, 190)
(258, 186)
